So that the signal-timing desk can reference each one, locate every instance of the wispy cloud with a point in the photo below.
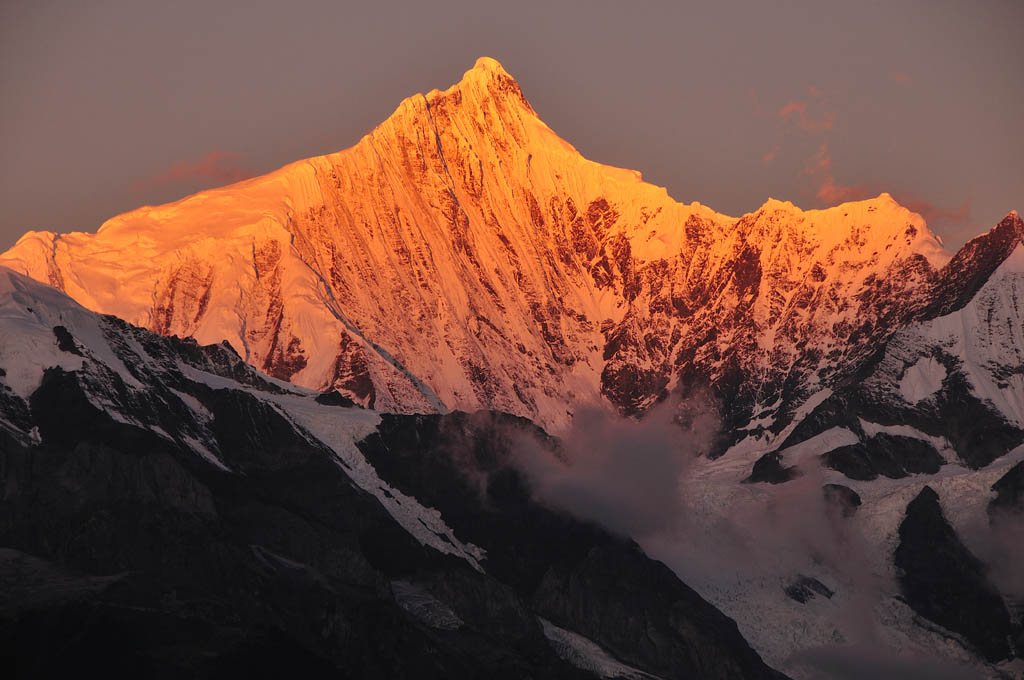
(932, 213)
(217, 167)
(792, 107)
(808, 116)
(827, 188)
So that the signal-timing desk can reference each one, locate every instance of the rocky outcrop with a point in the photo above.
(768, 468)
(943, 582)
(285, 566)
(803, 589)
(888, 455)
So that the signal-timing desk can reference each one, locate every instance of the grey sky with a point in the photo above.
(105, 106)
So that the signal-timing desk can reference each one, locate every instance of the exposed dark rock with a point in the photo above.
(65, 342)
(943, 582)
(335, 398)
(352, 372)
(631, 388)
(672, 633)
(835, 411)
(768, 468)
(972, 266)
(855, 462)
(14, 410)
(977, 433)
(891, 456)
(805, 588)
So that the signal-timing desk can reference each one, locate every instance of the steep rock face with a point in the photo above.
(795, 300)
(940, 389)
(944, 582)
(971, 267)
(461, 255)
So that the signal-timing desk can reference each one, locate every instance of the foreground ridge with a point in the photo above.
(170, 511)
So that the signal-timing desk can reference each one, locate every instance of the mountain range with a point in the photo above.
(461, 279)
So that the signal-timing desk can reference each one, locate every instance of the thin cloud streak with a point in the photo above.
(810, 115)
(218, 167)
(828, 190)
(813, 117)
(958, 216)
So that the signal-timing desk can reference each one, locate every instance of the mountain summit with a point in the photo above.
(463, 256)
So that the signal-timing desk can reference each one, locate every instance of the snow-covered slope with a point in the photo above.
(462, 255)
(748, 547)
(948, 376)
(984, 339)
(137, 381)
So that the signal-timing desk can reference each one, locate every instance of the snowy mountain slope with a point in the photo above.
(745, 544)
(169, 511)
(747, 547)
(937, 407)
(461, 255)
(944, 388)
(136, 378)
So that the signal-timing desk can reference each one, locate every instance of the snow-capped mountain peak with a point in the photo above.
(462, 255)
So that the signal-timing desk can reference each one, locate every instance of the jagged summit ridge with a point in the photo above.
(462, 255)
